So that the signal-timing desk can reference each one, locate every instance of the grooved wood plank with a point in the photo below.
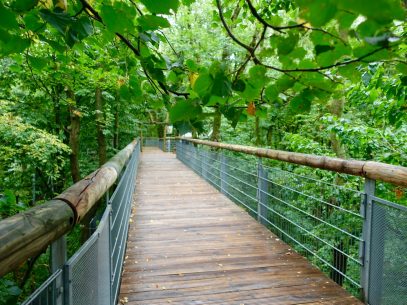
(189, 244)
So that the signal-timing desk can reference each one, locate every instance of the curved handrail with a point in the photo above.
(26, 234)
(393, 174)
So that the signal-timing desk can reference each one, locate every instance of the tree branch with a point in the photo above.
(337, 64)
(281, 28)
(222, 18)
(265, 23)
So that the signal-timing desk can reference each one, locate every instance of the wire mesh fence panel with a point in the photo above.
(167, 145)
(240, 179)
(388, 254)
(47, 293)
(153, 142)
(88, 270)
(320, 220)
(120, 203)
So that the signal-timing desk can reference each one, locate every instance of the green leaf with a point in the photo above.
(284, 83)
(184, 110)
(271, 93)
(302, 102)
(307, 64)
(13, 44)
(172, 77)
(187, 2)
(298, 52)
(83, 27)
(287, 44)
(252, 90)
(221, 85)
(350, 72)
(402, 68)
(23, 5)
(152, 23)
(156, 104)
(192, 66)
(334, 55)
(183, 127)
(203, 85)
(319, 38)
(322, 48)
(345, 19)
(232, 114)
(55, 45)
(369, 28)
(38, 63)
(382, 11)
(32, 21)
(239, 85)
(257, 72)
(7, 18)
(79, 30)
(318, 13)
(215, 100)
(377, 53)
(161, 7)
(59, 20)
(118, 18)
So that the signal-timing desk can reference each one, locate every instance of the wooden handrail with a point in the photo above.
(28, 233)
(393, 174)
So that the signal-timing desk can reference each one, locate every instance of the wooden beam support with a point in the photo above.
(393, 174)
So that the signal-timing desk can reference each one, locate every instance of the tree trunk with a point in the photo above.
(217, 121)
(257, 130)
(217, 118)
(99, 126)
(336, 108)
(167, 117)
(270, 134)
(74, 130)
(116, 123)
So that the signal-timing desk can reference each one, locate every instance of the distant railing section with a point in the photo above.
(355, 238)
(92, 275)
(168, 144)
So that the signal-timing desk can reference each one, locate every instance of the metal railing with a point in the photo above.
(355, 238)
(92, 275)
(167, 144)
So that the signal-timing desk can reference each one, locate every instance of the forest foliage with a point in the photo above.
(79, 79)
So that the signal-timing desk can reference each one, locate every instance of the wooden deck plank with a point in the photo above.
(189, 244)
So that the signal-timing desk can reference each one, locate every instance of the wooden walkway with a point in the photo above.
(189, 244)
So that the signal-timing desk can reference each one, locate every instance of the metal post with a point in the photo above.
(58, 259)
(180, 150)
(103, 260)
(223, 175)
(261, 193)
(204, 168)
(33, 189)
(364, 253)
